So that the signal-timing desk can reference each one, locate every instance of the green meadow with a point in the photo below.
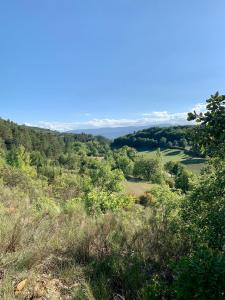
(137, 187)
(195, 164)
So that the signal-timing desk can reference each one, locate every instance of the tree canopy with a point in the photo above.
(209, 134)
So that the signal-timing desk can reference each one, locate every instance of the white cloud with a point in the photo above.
(199, 107)
(166, 116)
(157, 117)
(59, 126)
(99, 123)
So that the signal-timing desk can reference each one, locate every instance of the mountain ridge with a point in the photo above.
(115, 132)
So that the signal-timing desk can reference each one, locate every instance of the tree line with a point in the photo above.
(152, 138)
(50, 144)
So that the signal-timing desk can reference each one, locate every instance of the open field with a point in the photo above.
(195, 164)
(137, 187)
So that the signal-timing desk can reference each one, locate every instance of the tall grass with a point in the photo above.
(104, 256)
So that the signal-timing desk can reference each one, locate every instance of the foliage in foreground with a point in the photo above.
(95, 256)
(68, 230)
(97, 252)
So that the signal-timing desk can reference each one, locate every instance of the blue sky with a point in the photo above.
(73, 63)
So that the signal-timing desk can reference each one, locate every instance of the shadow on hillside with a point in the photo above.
(134, 179)
(176, 152)
(193, 161)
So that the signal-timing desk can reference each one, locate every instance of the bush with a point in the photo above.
(167, 203)
(203, 211)
(47, 206)
(183, 180)
(68, 186)
(201, 276)
(100, 201)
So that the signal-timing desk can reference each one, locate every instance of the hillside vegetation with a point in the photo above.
(152, 138)
(70, 230)
(193, 163)
(51, 144)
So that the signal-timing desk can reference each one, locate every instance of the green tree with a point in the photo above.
(183, 180)
(104, 178)
(163, 141)
(200, 274)
(80, 148)
(204, 208)
(209, 134)
(173, 167)
(19, 158)
(183, 143)
(125, 164)
(37, 159)
(148, 169)
(170, 144)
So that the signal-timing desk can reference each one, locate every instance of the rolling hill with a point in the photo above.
(115, 132)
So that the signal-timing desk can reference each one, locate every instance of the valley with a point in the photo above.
(83, 217)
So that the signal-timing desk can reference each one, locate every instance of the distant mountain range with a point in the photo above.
(115, 132)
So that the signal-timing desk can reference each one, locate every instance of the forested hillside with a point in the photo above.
(151, 138)
(70, 230)
(49, 143)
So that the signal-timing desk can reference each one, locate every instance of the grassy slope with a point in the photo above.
(195, 164)
(137, 187)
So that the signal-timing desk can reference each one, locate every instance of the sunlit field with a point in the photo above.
(195, 164)
(137, 187)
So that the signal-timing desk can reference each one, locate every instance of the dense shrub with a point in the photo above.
(201, 276)
(100, 201)
(95, 255)
(204, 209)
(149, 169)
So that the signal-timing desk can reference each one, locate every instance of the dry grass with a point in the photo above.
(72, 255)
(137, 187)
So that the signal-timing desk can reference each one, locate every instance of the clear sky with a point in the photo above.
(82, 63)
